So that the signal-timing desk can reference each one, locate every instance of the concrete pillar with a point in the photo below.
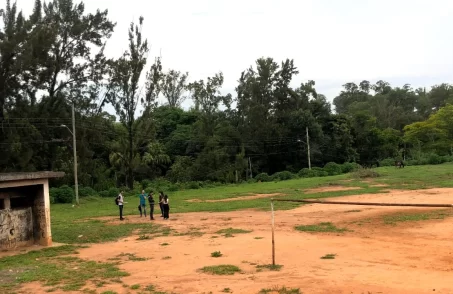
(41, 208)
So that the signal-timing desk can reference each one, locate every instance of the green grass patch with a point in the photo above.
(193, 232)
(216, 254)
(414, 217)
(271, 267)
(56, 267)
(352, 210)
(150, 288)
(224, 269)
(258, 238)
(144, 237)
(329, 256)
(130, 256)
(97, 231)
(166, 257)
(321, 228)
(164, 244)
(280, 290)
(226, 290)
(229, 233)
(135, 287)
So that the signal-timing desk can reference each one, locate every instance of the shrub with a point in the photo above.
(64, 194)
(348, 167)
(387, 162)
(332, 169)
(283, 176)
(146, 184)
(313, 173)
(112, 192)
(263, 177)
(193, 185)
(303, 173)
(87, 191)
(365, 173)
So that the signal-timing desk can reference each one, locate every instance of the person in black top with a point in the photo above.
(166, 207)
(151, 205)
(161, 205)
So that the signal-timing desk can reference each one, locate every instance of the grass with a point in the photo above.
(280, 290)
(130, 256)
(258, 238)
(413, 217)
(224, 269)
(135, 287)
(226, 290)
(329, 256)
(228, 233)
(164, 244)
(68, 223)
(55, 267)
(271, 267)
(144, 237)
(321, 228)
(97, 231)
(166, 257)
(216, 254)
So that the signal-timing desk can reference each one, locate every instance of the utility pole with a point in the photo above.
(308, 149)
(74, 148)
(76, 182)
(250, 164)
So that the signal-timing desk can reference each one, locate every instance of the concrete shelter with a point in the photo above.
(25, 209)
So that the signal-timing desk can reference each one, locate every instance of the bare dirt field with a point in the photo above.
(373, 256)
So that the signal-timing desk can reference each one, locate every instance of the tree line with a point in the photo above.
(54, 59)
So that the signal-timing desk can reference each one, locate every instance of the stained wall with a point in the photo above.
(24, 214)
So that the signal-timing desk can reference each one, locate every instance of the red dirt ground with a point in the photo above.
(409, 257)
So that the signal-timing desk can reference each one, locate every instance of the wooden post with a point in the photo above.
(273, 240)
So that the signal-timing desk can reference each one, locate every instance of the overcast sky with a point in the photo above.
(331, 41)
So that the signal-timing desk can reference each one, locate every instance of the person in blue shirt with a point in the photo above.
(142, 206)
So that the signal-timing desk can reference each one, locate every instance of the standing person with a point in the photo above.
(151, 205)
(142, 203)
(120, 204)
(161, 205)
(166, 207)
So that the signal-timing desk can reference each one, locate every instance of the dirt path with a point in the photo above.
(409, 257)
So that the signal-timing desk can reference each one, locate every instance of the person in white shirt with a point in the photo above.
(120, 204)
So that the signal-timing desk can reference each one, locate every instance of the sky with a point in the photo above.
(332, 42)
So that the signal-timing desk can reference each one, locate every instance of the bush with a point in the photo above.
(112, 192)
(348, 167)
(363, 173)
(146, 184)
(283, 176)
(263, 177)
(387, 162)
(435, 159)
(193, 185)
(303, 173)
(333, 169)
(64, 194)
(87, 191)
